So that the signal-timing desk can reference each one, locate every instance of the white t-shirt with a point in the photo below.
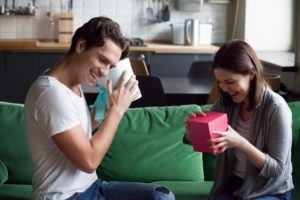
(52, 108)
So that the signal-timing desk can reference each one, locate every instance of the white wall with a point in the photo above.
(267, 24)
(130, 14)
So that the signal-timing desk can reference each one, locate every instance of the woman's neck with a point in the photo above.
(245, 113)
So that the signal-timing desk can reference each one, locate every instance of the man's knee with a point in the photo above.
(163, 193)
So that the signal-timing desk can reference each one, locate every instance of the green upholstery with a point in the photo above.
(15, 192)
(13, 143)
(295, 107)
(160, 155)
(3, 172)
(147, 147)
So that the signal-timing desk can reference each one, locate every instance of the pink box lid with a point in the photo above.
(201, 128)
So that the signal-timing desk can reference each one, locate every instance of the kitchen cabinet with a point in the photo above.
(174, 64)
(21, 69)
(2, 77)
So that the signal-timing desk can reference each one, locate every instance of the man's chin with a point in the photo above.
(88, 83)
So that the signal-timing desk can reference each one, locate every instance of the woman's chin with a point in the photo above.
(236, 99)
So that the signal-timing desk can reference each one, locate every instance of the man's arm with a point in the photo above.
(84, 153)
(87, 154)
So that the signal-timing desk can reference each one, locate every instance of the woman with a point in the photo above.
(255, 162)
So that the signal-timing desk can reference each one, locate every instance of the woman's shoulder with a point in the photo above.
(273, 100)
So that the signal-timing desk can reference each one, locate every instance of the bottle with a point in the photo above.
(51, 25)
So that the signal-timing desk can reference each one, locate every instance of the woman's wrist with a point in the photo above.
(243, 143)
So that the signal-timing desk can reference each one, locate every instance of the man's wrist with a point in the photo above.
(115, 111)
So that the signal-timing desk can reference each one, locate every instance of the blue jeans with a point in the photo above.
(235, 183)
(284, 196)
(101, 190)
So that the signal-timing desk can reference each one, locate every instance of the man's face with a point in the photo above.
(96, 61)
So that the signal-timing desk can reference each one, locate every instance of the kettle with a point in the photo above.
(178, 33)
(191, 27)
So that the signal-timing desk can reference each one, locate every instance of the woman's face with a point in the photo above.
(236, 85)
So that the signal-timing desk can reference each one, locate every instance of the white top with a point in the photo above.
(244, 129)
(51, 108)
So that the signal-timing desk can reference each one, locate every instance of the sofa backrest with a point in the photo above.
(148, 147)
(295, 108)
(136, 139)
(154, 133)
(14, 151)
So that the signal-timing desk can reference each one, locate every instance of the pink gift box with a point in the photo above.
(201, 129)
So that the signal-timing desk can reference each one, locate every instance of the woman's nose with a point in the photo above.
(224, 87)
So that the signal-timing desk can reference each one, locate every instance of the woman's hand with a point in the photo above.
(227, 139)
(121, 97)
(231, 139)
(191, 116)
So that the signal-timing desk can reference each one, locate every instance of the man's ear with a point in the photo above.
(80, 47)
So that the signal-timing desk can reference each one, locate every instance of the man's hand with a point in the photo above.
(121, 97)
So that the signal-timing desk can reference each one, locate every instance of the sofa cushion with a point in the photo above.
(148, 147)
(295, 108)
(13, 144)
(3, 172)
(15, 192)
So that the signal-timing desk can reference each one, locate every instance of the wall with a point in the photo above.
(297, 42)
(267, 25)
(130, 14)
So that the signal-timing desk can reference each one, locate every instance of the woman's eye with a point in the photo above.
(230, 82)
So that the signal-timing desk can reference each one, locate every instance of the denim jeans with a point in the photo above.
(235, 183)
(284, 196)
(101, 190)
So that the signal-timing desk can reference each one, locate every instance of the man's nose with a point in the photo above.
(105, 70)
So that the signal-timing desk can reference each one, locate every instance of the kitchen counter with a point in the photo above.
(7, 44)
(282, 61)
(279, 60)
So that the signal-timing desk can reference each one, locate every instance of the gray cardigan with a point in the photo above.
(272, 134)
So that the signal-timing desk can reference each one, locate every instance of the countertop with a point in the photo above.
(279, 60)
(282, 61)
(7, 44)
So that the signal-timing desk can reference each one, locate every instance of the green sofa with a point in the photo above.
(147, 148)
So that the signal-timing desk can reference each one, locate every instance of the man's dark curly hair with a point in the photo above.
(95, 30)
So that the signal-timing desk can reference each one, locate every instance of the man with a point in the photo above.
(64, 153)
